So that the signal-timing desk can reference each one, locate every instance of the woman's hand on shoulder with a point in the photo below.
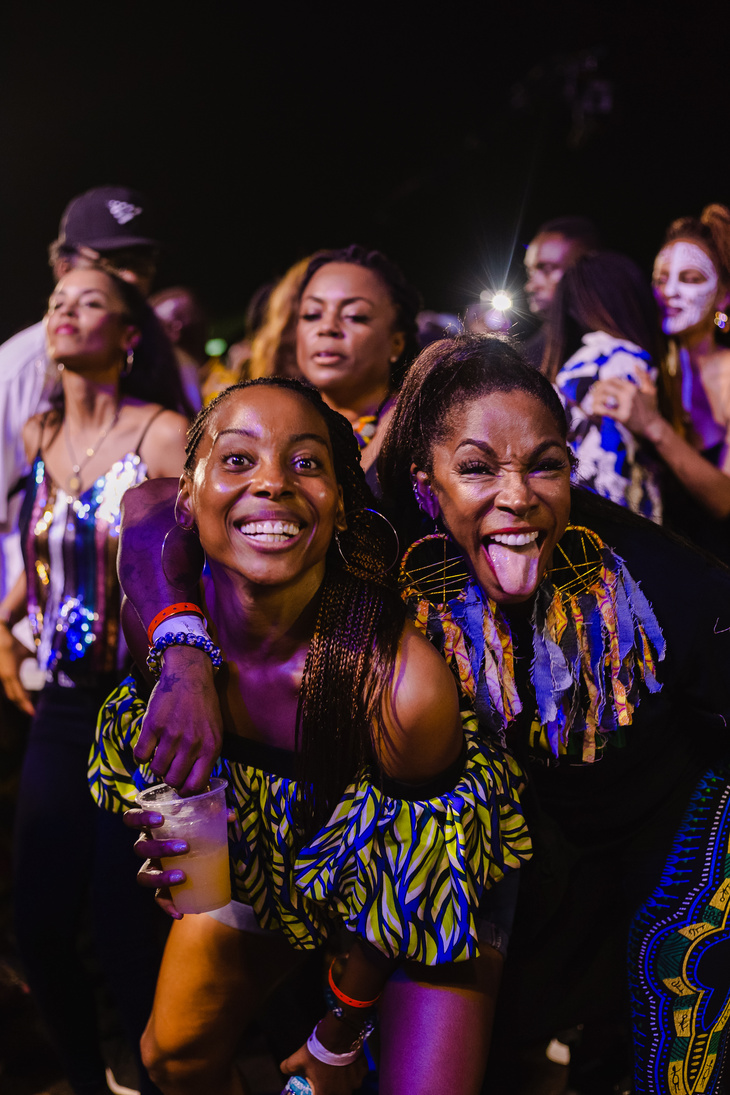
(163, 448)
(423, 733)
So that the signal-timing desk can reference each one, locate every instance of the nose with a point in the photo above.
(515, 493)
(270, 479)
(329, 324)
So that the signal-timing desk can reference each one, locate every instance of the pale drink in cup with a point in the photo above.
(202, 822)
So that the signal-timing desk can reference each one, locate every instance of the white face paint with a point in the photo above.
(685, 284)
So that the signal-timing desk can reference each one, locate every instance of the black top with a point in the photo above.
(602, 831)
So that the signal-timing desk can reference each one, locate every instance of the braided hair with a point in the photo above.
(351, 658)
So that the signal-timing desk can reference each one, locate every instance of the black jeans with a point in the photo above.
(69, 852)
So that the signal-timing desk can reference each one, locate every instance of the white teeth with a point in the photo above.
(270, 531)
(514, 539)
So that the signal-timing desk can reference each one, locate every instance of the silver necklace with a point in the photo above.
(74, 480)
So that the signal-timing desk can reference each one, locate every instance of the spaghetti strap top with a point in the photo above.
(70, 552)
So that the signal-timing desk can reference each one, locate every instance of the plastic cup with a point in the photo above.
(202, 821)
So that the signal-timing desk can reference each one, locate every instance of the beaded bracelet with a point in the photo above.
(181, 638)
(181, 608)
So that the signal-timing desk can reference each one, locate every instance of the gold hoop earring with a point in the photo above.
(721, 320)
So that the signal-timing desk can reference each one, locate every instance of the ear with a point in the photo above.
(131, 338)
(397, 345)
(184, 511)
(424, 492)
(340, 518)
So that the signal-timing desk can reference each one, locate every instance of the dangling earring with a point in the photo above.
(439, 574)
(177, 568)
(721, 320)
(60, 366)
(126, 369)
(353, 514)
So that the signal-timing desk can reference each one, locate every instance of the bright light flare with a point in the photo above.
(501, 302)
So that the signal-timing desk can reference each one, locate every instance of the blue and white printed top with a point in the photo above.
(611, 460)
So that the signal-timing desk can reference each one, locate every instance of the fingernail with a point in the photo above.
(179, 846)
(176, 876)
(156, 819)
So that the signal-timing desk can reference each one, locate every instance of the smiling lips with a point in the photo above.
(514, 558)
(270, 532)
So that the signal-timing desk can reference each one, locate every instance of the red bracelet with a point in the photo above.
(179, 609)
(348, 999)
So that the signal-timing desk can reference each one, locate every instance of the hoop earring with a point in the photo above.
(176, 570)
(127, 368)
(441, 576)
(721, 320)
(367, 509)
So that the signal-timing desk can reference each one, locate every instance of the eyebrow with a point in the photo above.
(489, 451)
(295, 439)
(343, 303)
(84, 292)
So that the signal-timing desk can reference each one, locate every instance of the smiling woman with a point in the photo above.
(559, 650)
(361, 798)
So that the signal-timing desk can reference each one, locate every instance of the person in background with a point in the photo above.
(603, 326)
(114, 422)
(186, 325)
(692, 437)
(356, 336)
(112, 225)
(274, 348)
(556, 245)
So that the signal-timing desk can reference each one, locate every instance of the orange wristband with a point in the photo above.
(179, 609)
(348, 999)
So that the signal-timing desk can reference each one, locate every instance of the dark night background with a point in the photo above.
(443, 135)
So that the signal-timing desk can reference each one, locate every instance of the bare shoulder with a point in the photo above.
(423, 733)
(163, 447)
(31, 435)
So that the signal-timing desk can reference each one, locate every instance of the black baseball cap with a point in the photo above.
(108, 218)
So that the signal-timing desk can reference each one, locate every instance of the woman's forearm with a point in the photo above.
(148, 514)
(362, 976)
(13, 605)
(709, 485)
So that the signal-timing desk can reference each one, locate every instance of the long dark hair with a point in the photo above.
(352, 654)
(406, 299)
(601, 292)
(446, 375)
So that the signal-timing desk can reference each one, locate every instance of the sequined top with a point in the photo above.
(70, 552)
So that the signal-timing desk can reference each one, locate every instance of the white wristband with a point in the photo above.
(317, 1050)
(190, 624)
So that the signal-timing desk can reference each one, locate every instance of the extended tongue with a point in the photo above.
(515, 567)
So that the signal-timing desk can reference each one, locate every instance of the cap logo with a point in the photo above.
(123, 211)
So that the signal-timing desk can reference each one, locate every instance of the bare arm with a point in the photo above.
(422, 733)
(182, 729)
(12, 653)
(638, 410)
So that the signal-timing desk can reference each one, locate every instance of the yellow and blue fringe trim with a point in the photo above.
(595, 639)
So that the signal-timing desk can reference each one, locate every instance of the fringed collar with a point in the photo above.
(595, 639)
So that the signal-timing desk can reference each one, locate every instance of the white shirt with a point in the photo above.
(27, 379)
